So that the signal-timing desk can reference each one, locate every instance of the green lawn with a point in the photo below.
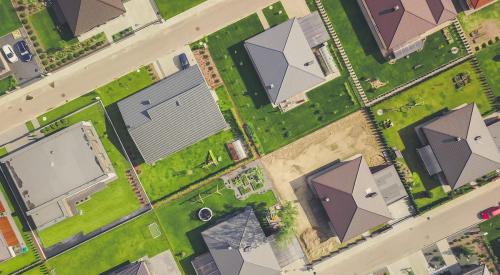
(272, 128)
(47, 31)
(489, 58)
(431, 96)
(185, 167)
(170, 8)
(275, 14)
(106, 206)
(493, 228)
(127, 243)
(3, 151)
(8, 17)
(365, 55)
(7, 84)
(27, 258)
(184, 228)
(472, 22)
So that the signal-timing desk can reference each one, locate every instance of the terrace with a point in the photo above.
(398, 115)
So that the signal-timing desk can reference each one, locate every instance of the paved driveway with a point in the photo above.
(25, 72)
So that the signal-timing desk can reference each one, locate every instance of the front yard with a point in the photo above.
(492, 227)
(7, 84)
(419, 103)
(275, 14)
(127, 243)
(184, 228)
(8, 15)
(170, 8)
(106, 206)
(269, 128)
(368, 62)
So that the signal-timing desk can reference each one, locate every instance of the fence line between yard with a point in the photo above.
(340, 48)
(419, 80)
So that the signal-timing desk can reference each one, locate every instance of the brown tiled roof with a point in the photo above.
(399, 21)
(479, 3)
(84, 15)
(351, 198)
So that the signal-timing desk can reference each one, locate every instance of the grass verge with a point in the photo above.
(275, 14)
(171, 8)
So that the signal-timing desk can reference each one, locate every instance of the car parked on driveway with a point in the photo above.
(24, 51)
(490, 212)
(184, 61)
(9, 53)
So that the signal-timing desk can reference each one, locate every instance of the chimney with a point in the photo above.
(396, 8)
(309, 63)
(327, 199)
(477, 138)
(458, 139)
(270, 86)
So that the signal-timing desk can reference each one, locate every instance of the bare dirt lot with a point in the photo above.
(289, 167)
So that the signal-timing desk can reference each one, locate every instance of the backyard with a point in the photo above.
(482, 26)
(368, 62)
(419, 103)
(170, 8)
(275, 14)
(183, 227)
(267, 126)
(492, 227)
(127, 243)
(489, 59)
(9, 18)
(106, 206)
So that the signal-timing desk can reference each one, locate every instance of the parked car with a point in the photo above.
(184, 61)
(490, 212)
(9, 53)
(24, 51)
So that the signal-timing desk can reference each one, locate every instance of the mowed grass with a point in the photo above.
(109, 94)
(431, 97)
(3, 151)
(170, 8)
(272, 128)
(492, 227)
(127, 243)
(8, 18)
(50, 35)
(106, 206)
(20, 261)
(7, 84)
(187, 166)
(184, 228)
(365, 56)
(473, 21)
(275, 14)
(489, 58)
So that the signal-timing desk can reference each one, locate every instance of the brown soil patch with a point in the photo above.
(488, 30)
(289, 166)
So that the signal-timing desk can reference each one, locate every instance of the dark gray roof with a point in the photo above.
(351, 198)
(480, 270)
(389, 184)
(57, 167)
(284, 61)
(238, 246)
(137, 268)
(172, 114)
(463, 146)
(84, 15)
(495, 133)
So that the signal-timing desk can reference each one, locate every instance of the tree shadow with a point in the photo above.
(362, 30)
(253, 86)
(131, 149)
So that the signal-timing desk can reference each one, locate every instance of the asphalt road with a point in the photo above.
(414, 234)
(121, 58)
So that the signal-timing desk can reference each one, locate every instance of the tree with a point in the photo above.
(288, 228)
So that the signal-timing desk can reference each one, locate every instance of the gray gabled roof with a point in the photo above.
(172, 114)
(238, 246)
(137, 268)
(284, 61)
(84, 15)
(463, 146)
(351, 198)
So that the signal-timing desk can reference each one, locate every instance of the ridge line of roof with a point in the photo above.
(247, 218)
(108, 4)
(288, 34)
(350, 219)
(433, 23)
(374, 212)
(256, 264)
(470, 119)
(303, 70)
(461, 170)
(394, 33)
(357, 174)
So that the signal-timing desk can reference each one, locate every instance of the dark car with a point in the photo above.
(24, 51)
(184, 61)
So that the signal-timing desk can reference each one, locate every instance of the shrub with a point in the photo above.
(24, 21)
(22, 14)
(45, 62)
(33, 38)
(30, 32)
(288, 215)
(36, 44)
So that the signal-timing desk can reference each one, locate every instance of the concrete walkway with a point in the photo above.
(121, 58)
(295, 8)
(262, 19)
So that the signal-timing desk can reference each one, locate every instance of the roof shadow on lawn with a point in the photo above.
(249, 76)
(411, 143)
(131, 150)
(361, 29)
(16, 210)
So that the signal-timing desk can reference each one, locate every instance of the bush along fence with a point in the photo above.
(484, 84)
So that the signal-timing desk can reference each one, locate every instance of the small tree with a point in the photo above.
(288, 216)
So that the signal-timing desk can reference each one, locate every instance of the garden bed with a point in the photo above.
(416, 105)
